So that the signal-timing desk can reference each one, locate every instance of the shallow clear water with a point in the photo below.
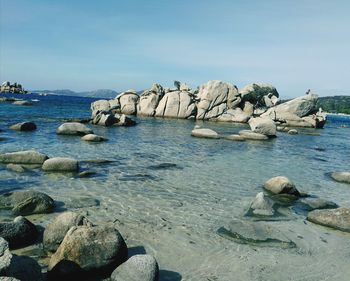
(173, 211)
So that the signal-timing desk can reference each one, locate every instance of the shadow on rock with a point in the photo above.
(166, 275)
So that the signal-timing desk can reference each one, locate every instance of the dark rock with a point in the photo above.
(24, 126)
(25, 269)
(19, 233)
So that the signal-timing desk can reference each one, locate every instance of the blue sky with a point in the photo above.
(87, 45)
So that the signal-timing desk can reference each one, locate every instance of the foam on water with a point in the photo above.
(173, 210)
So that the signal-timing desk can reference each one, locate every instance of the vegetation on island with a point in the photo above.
(334, 104)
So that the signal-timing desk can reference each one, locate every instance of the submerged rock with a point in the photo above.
(293, 132)
(27, 202)
(310, 204)
(22, 102)
(137, 268)
(250, 135)
(93, 138)
(19, 233)
(15, 168)
(61, 164)
(24, 126)
(281, 184)
(23, 157)
(255, 233)
(235, 138)
(88, 249)
(205, 133)
(341, 176)
(335, 218)
(73, 128)
(56, 230)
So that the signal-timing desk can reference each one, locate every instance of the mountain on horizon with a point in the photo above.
(100, 93)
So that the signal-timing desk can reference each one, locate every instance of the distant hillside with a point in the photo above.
(102, 93)
(336, 104)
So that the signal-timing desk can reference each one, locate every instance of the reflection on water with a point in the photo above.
(170, 192)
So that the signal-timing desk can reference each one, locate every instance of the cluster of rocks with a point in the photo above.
(7, 87)
(215, 101)
(281, 192)
(76, 248)
(15, 101)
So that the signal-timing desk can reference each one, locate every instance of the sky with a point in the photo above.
(106, 44)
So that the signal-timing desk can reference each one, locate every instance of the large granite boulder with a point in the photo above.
(176, 104)
(24, 126)
(260, 95)
(23, 157)
(19, 233)
(300, 107)
(73, 128)
(88, 249)
(149, 100)
(98, 106)
(128, 102)
(263, 125)
(236, 115)
(61, 164)
(335, 218)
(137, 268)
(215, 98)
(57, 229)
(281, 185)
(341, 176)
(27, 202)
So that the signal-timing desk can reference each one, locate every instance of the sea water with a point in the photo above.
(169, 193)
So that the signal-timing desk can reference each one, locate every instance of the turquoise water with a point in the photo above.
(170, 192)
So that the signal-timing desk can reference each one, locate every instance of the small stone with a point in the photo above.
(250, 135)
(235, 138)
(293, 132)
(205, 133)
(280, 184)
(341, 176)
(261, 206)
(93, 138)
(61, 164)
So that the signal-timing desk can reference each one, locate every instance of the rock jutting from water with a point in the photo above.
(335, 218)
(61, 164)
(93, 138)
(216, 101)
(341, 176)
(205, 133)
(24, 126)
(73, 128)
(261, 206)
(281, 185)
(23, 157)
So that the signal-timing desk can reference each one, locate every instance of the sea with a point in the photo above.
(169, 193)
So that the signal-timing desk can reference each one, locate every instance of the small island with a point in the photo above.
(7, 87)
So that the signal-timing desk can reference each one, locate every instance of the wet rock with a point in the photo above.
(25, 269)
(22, 102)
(73, 128)
(236, 115)
(335, 218)
(163, 166)
(281, 184)
(24, 126)
(104, 119)
(88, 249)
(205, 133)
(56, 230)
(15, 168)
(5, 256)
(261, 206)
(101, 106)
(341, 176)
(23, 157)
(61, 164)
(137, 268)
(293, 132)
(284, 199)
(123, 120)
(19, 233)
(263, 126)
(215, 98)
(255, 233)
(250, 135)
(235, 138)
(27, 202)
(310, 204)
(93, 138)
(86, 174)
